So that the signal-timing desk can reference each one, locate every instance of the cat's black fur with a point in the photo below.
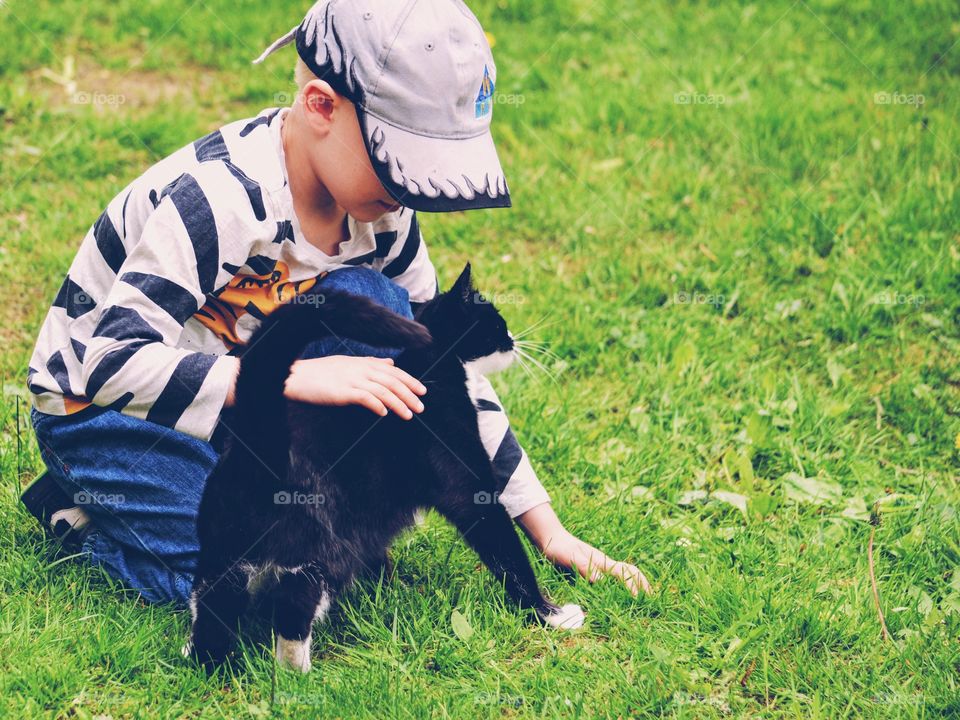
(354, 480)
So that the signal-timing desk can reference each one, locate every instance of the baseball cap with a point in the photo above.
(422, 77)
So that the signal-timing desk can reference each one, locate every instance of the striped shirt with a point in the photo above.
(183, 265)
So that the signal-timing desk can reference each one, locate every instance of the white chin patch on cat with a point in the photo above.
(569, 617)
(492, 363)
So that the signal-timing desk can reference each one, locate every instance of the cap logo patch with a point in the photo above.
(484, 102)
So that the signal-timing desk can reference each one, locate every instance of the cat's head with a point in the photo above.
(465, 322)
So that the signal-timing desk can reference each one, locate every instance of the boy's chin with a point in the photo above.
(373, 211)
(368, 215)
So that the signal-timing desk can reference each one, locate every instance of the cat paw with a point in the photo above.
(209, 658)
(294, 654)
(568, 617)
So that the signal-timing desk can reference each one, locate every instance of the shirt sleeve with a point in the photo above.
(407, 262)
(202, 223)
(522, 489)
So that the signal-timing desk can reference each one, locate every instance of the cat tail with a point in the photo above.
(260, 407)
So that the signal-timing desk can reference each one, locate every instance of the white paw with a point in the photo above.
(187, 649)
(294, 654)
(569, 617)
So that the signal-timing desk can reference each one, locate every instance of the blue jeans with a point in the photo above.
(141, 482)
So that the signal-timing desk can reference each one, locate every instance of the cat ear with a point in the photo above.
(463, 287)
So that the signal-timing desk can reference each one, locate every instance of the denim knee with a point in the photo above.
(370, 284)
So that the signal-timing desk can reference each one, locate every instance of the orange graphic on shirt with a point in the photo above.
(256, 294)
(74, 404)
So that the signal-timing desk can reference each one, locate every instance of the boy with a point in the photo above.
(134, 368)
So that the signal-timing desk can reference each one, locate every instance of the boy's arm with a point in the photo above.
(132, 363)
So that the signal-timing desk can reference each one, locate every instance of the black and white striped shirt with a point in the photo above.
(182, 266)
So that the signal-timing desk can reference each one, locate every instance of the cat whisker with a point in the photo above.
(545, 370)
(538, 347)
(540, 364)
(524, 365)
(537, 325)
(527, 330)
(537, 364)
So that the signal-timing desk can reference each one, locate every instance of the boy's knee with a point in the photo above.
(372, 285)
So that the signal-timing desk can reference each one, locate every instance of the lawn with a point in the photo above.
(740, 222)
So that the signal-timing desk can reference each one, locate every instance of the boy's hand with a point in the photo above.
(570, 551)
(563, 548)
(373, 383)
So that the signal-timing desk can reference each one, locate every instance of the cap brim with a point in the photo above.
(434, 174)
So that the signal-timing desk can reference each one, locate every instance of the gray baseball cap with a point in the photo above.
(421, 76)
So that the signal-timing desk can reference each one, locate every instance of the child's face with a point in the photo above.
(337, 155)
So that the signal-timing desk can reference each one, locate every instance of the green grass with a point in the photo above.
(752, 292)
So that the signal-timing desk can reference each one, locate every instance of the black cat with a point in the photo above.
(309, 496)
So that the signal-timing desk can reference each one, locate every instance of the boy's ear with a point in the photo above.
(463, 287)
(319, 101)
